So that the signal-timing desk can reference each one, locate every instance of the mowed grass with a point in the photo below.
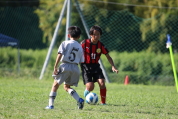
(27, 98)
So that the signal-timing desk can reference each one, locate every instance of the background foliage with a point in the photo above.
(142, 69)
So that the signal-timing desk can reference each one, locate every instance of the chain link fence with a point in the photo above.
(137, 45)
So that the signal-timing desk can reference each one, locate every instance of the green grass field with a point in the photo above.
(27, 98)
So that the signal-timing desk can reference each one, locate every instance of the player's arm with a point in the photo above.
(112, 63)
(58, 58)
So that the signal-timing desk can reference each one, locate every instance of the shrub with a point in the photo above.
(141, 67)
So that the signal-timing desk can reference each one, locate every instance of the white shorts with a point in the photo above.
(68, 74)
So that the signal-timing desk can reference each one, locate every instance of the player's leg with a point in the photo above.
(89, 87)
(87, 79)
(74, 94)
(89, 84)
(101, 83)
(53, 95)
(99, 77)
(73, 80)
(71, 91)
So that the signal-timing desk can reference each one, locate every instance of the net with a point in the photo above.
(137, 44)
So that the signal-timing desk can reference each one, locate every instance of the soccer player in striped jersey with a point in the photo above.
(70, 53)
(91, 71)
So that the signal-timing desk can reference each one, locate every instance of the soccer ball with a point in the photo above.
(92, 98)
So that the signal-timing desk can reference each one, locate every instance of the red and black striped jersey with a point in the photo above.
(92, 52)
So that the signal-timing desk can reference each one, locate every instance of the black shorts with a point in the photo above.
(91, 72)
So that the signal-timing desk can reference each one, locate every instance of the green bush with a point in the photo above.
(141, 67)
(8, 57)
(31, 62)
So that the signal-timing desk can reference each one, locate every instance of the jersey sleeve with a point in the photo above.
(61, 48)
(82, 57)
(83, 47)
(104, 49)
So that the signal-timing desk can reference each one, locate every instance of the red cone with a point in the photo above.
(126, 82)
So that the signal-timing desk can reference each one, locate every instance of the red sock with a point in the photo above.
(103, 95)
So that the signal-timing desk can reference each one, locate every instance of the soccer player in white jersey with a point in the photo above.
(70, 53)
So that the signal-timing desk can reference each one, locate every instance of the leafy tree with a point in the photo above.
(162, 22)
(49, 12)
(142, 24)
(17, 20)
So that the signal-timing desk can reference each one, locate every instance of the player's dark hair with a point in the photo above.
(95, 28)
(74, 31)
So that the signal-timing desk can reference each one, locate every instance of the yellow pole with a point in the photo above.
(169, 45)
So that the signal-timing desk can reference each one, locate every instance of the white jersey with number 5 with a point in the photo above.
(72, 52)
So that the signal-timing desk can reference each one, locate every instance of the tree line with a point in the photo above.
(142, 23)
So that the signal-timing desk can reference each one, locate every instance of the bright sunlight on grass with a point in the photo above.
(27, 98)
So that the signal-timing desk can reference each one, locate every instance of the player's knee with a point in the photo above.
(101, 83)
(90, 87)
(66, 87)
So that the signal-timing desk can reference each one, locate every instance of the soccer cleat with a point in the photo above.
(49, 107)
(86, 92)
(80, 103)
